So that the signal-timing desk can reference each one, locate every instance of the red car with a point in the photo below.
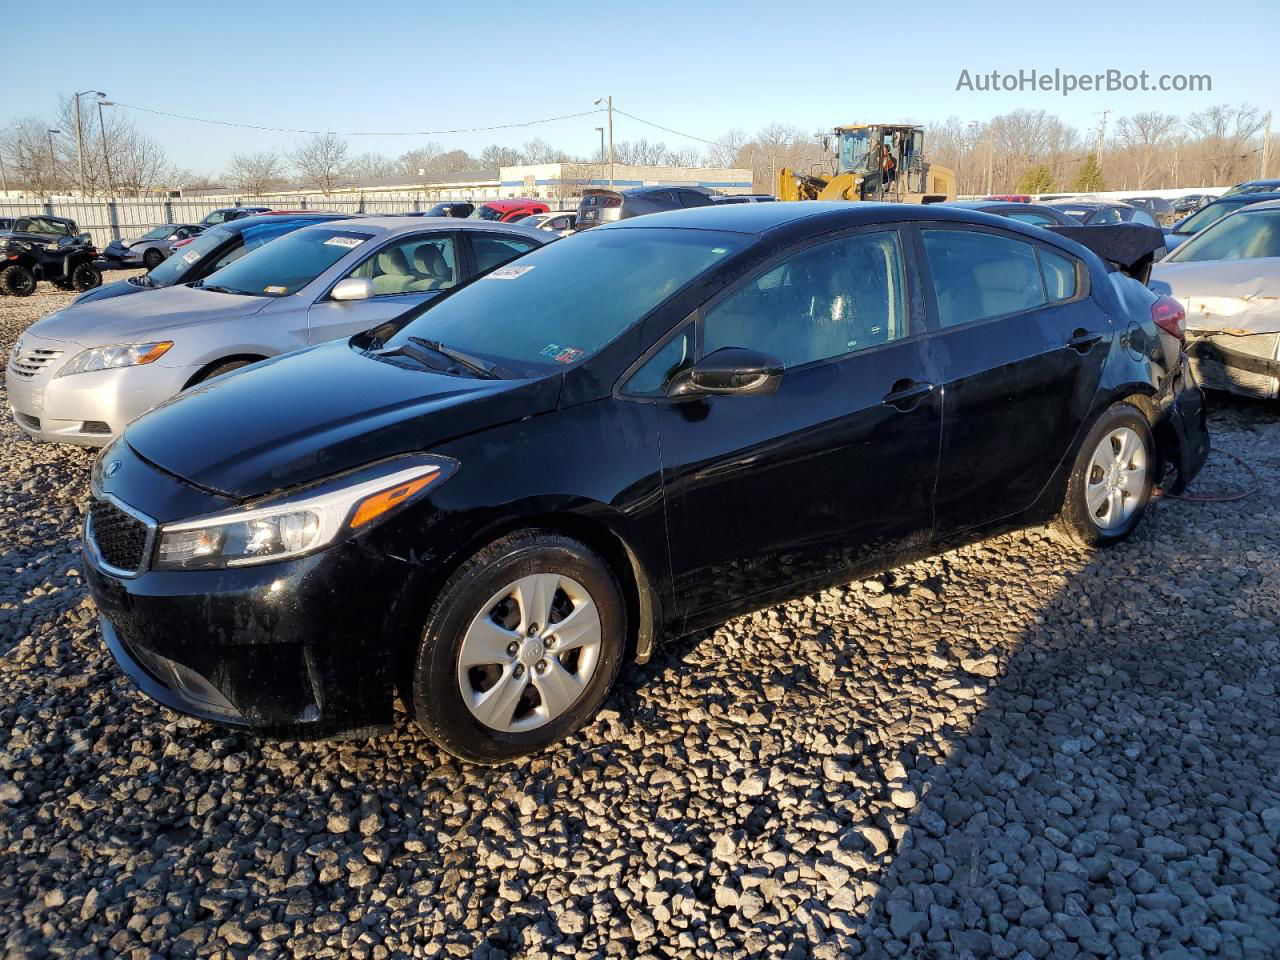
(505, 211)
(1010, 197)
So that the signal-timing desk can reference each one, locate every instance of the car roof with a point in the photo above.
(502, 204)
(383, 225)
(1249, 198)
(1262, 182)
(761, 218)
(1271, 203)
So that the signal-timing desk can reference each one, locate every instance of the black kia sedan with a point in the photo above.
(490, 504)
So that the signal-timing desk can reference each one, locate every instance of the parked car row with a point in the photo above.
(481, 466)
(81, 373)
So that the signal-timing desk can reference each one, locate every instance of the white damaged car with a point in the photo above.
(1227, 278)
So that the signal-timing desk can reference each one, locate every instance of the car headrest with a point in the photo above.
(428, 259)
(393, 262)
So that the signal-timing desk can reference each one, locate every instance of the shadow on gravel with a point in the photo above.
(1116, 792)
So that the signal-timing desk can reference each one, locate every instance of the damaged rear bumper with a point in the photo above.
(1188, 424)
(1243, 363)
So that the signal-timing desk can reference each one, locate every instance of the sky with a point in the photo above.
(700, 68)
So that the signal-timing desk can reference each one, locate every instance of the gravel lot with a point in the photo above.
(1013, 750)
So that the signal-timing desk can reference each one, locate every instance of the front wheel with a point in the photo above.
(152, 258)
(520, 648)
(1110, 485)
(17, 281)
(85, 277)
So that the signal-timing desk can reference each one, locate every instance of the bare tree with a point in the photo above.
(538, 150)
(256, 173)
(496, 155)
(1225, 133)
(640, 152)
(138, 165)
(191, 182)
(420, 160)
(727, 151)
(1143, 138)
(375, 166)
(322, 162)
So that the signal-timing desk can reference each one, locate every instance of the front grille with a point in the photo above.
(28, 421)
(27, 363)
(120, 538)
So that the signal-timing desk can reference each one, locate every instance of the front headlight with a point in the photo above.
(301, 522)
(116, 355)
(53, 247)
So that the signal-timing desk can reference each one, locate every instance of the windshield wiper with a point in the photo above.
(481, 368)
(214, 288)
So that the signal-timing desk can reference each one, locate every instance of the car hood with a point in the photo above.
(128, 320)
(1234, 295)
(109, 291)
(318, 412)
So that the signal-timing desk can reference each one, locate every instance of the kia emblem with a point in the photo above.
(111, 469)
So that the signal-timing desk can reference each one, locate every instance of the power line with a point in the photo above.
(678, 133)
(357, 133)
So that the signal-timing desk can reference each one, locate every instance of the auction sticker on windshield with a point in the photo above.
(191, 256)
(510, 272)
(559, 354)
(349, 242)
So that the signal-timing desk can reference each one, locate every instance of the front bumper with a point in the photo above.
(299, 649)
(1247, 364)
(279, 650)
(85, 408)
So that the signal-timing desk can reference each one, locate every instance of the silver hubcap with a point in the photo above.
(529, 652)
(1117, 476)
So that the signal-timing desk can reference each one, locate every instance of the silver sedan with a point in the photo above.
(81, 373)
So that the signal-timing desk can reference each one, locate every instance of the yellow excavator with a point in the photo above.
(874, 161)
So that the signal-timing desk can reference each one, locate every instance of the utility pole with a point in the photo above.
(600, 130)
(609, 101)
(106, 159)
(1102, 136)
(1266, 146)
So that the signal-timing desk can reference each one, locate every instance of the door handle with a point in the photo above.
(1082, 341)
(905, 394)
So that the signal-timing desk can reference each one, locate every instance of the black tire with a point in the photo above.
(17, 281)
(436, 699)
(220, 369)
(1078, 524)
(152, 258)
(85, 277)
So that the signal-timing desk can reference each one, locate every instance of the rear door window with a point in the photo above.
(977, 276)
(1060, 275)
(491, 250)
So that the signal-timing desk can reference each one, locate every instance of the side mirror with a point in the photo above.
(353, 288)
(729, 371)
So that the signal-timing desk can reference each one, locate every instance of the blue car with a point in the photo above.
(211, 250)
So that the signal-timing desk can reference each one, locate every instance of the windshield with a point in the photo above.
(1210, 214)
(855, 156)
(159, 233)
(1245, 236)
(286, 265)
(561, 303)
(485, 213)
(172, 270)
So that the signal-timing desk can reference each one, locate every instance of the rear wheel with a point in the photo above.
(152, 259)
(17, 281)
(1110, 485)
(520, 648)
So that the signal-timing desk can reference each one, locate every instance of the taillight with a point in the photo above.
(1170, 317)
